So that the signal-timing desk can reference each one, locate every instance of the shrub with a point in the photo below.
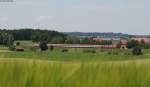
(89, 51)
(137, 51)
(43, 46)
(12, 48)
(65, 50)
(18, 44)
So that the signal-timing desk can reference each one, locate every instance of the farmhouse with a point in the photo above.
(123, 44)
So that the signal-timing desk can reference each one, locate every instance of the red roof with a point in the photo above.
(124, 42)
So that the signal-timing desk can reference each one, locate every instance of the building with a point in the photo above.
(123, 44)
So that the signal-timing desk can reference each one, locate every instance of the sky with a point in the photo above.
(125, 16)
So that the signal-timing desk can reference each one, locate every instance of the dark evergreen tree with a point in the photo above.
(43, 46)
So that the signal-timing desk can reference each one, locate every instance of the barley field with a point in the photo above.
(43, 73)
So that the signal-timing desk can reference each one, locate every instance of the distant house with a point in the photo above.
(123, 44)
(99, 39)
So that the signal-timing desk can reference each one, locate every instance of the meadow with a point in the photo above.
(75, 68)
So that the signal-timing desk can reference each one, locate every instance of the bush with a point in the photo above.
(137, 51)
(64, 50)
(43, 46)
(18, 44)
(12, 48)
(89, 51)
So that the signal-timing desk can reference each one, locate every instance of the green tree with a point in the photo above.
(18, 44)
(132, 43)
(10, 40)
(57, 40)
(72, 40)
(44, 37)
(43, 46)
(137, 50)
(35, 37)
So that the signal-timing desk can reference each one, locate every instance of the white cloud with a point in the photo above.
(42, 18)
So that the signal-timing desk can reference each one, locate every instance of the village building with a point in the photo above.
(123, 44)
(99, 39)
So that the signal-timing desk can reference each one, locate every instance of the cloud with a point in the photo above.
(42, 18)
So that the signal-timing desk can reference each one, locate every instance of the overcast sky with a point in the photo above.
(126, 16)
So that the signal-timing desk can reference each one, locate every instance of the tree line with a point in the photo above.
(36, 35)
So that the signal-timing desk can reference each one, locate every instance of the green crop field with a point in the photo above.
(75, 68)
(41, 73)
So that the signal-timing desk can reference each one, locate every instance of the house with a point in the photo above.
(99, 39)
(123, 44)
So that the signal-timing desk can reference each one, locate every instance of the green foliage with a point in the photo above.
(17, 43)
(87, 41)
(35, 35)
(72, 40)
(43, 46)
(57, 40)
(64, 50)
(104, 43)
(142, 44)
(145, 45)
(10, 40)
(12, 48)
(132, 43)
(6, 39)
(137, 51)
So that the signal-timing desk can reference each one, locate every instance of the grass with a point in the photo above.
(76, 55)
(105, 68)
(24, 42)
(38, 73)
